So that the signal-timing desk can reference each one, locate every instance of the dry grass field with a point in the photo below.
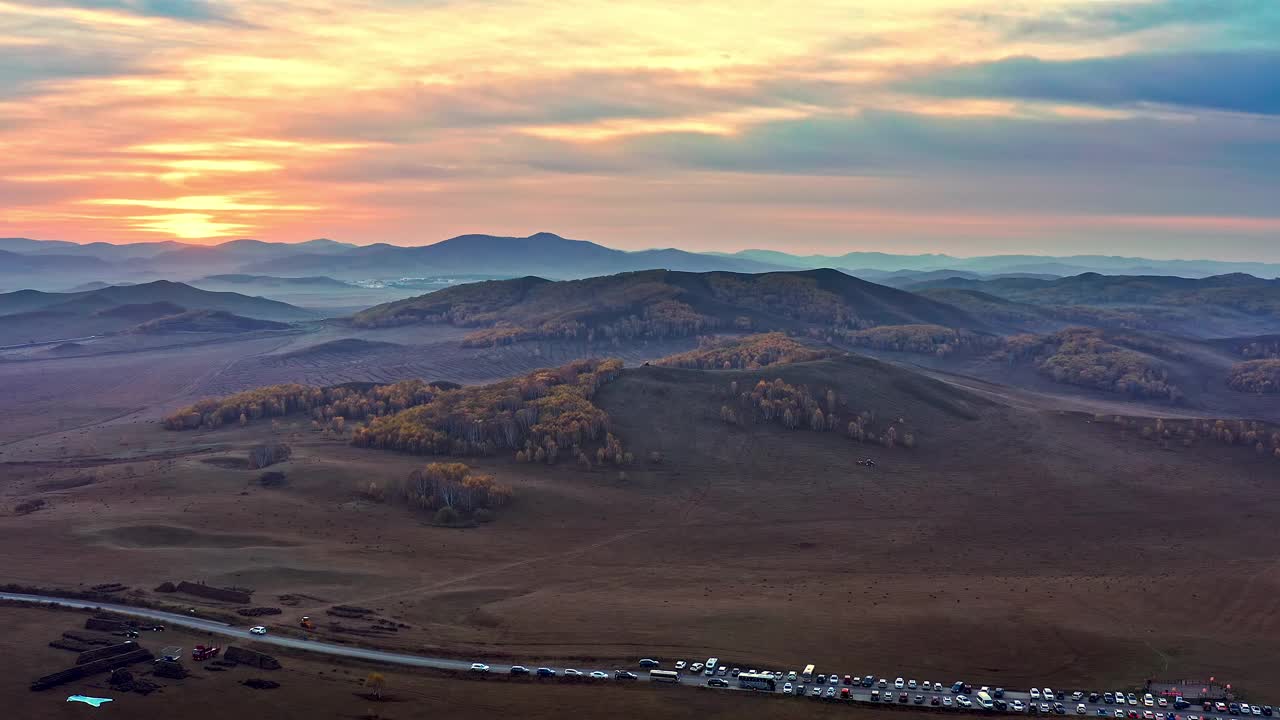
(1016, 544)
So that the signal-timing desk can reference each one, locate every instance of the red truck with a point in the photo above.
(200, 652)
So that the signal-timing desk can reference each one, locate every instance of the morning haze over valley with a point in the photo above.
(460, 359)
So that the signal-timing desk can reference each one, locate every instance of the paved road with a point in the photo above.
(225, 630)
(858, 693)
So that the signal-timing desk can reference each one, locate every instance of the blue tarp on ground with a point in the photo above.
(96, 702)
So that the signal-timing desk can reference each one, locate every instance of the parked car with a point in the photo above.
(519, 670)
(935, 700)
(946, 701)
(718, 682)
(1035, 693)
(845, 693)
(937, 687)
(680, 665)
(546, 672)
(898, 684)
(570, 672)
(831, 693)
(257, 630)
(918, 699)
(816, 692)
(695, 668)
(479, 668)
(1017, 706)
(1081, 709)
(599, 675)
(649, 663)
(868, 681)
(624, 675)
(911, 684)
(787, 689)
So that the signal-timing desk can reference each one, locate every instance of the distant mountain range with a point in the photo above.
(49, 264)
(873, 265)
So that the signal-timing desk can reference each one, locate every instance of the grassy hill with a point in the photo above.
(33, 316)
(207, 321)
(660, 303)
(1218, 306)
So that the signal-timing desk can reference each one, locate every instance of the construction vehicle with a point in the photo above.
(306, 623)
(201, 653)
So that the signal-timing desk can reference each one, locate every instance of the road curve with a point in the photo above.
(220, 628)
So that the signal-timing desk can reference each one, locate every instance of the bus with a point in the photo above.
(807, 675)
(710, 668)
(757, 681)
(670, 676)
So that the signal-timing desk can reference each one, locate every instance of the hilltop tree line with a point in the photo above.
(1255, 376)
(662, 319)
(344, 402)
(920, 339)
(1264, 349)
(545, 414)
(753, 351)
(1084, 357)
(1259, 437)
(796, 407)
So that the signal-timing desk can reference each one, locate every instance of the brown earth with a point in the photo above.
(1017, 544)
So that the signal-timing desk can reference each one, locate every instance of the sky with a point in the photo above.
(1136, 127)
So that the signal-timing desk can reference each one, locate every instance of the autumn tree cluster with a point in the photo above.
(351, 402)
(796, 407)
(1259, 437)
(546, 415)
(443, 485)
(752, 351)
(662, 319)
(921, 339)
(1255, 376)
(1087, 358)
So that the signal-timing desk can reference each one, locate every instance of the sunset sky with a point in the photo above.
(1141, 127)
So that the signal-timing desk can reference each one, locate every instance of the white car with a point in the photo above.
(599, 675)
(1017, 706)
(570, 672)
(257, 630)
(899, 683)
(1047, 693)
(791, 676)
(788, 690)
(911, 684)
(1081, 709)
(964, 701)
(1148, 701)
(679, 664)
(1162, 702)
(479, 668)
(937, 687)
(1035, 693)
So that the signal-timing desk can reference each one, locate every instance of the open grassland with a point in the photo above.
(1015, 544)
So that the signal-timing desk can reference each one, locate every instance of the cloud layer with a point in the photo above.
(966, 126)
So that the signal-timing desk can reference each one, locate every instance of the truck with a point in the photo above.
(202, 652)
(807, 675)
(757, 681)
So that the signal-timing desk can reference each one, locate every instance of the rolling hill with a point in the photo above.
(660, 303)
(1218, 306)
(33, 316)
